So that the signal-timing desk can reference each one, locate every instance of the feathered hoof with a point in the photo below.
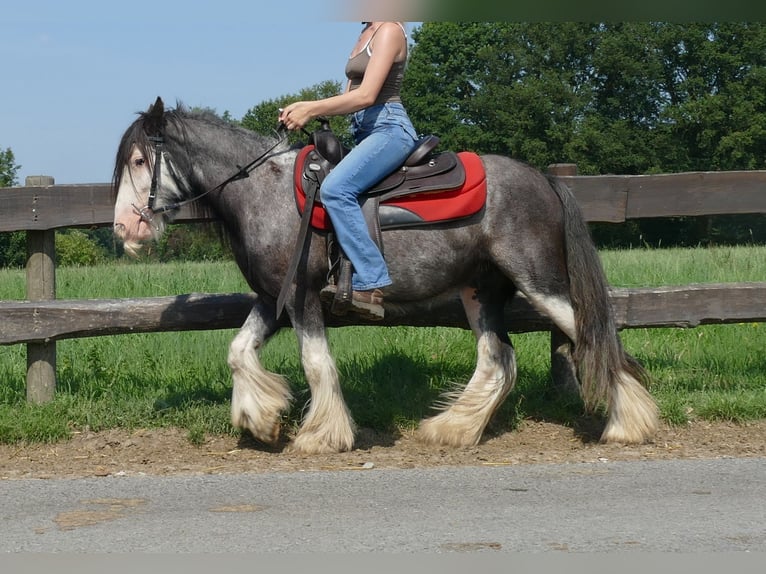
(319, 443)
(264, 431)
(637, 433)
(632, 422)
(445, 430)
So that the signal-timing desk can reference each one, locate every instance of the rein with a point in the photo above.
(148, 212)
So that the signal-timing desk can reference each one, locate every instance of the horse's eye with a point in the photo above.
(139, 161)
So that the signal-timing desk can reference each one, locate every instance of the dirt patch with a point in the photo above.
(165, 452)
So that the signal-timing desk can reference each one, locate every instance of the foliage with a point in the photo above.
(74, 247)
(13, 249)
(623, 98)
(263, 117)
(12, 245)
(8, 168)
(627, 98)
(192, 242)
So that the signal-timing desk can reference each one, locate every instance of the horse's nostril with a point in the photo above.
(119, 229)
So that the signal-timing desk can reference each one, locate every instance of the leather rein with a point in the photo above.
(148, 212)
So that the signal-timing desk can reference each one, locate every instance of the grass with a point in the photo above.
(391, 375)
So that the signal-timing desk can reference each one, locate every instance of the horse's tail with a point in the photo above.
(607, 373)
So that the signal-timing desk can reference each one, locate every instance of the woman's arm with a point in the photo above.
(389, 45)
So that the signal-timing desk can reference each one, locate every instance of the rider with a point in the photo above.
(384, 137)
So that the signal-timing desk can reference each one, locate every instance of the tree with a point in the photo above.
(8, 168)
(626, 98)
(442, 78)
(263, 118)
(634, 97)
(509, 88)
(716, 76)
(12, 245)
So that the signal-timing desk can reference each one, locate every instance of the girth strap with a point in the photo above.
(312, 188)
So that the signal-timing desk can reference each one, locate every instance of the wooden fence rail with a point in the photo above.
(603, 198)
(46, 321)
(41, 207)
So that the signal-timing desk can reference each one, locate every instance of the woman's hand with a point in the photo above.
(297, 115)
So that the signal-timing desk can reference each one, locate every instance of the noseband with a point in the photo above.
(148, 212)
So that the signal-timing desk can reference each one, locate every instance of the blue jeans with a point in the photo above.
(384, 138)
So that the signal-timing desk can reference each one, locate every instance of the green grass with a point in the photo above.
(655, 267)
(714, 372)
(391, 375)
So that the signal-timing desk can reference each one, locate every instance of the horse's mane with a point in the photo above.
(176, 117)
(177, 121)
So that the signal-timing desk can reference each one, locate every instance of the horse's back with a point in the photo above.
(519, 187)
(520, 226)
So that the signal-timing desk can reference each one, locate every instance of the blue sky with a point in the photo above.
(76, 71)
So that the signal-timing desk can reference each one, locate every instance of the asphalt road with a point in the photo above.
(657, 506)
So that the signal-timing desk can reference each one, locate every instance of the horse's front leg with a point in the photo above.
(258, 396)
(327, 426)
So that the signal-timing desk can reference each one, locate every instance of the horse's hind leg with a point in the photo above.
(258, 396)
(606, 373)
(466, 414)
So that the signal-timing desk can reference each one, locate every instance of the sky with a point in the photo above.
(76, 72)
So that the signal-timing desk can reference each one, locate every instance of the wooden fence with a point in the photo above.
(41, 207)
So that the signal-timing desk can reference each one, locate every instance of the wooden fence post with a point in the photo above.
(41, 286)
(563, 372)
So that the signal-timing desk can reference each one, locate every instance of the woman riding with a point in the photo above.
(384, 137)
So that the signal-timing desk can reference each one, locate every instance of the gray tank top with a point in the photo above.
(392, 86)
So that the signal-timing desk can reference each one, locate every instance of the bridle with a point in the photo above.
(148, 212)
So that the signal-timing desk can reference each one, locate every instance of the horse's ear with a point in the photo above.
(157, 107)
(154, 119)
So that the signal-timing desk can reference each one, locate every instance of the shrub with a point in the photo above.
(74, 247)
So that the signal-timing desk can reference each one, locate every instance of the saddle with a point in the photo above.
(429, 188)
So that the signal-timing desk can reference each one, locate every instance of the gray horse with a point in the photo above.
(529, 238)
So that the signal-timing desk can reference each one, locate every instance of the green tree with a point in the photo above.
(635, 97)
(12, 245)
(624, 98)
(8, 168)
(263, 118)
(192, 242)
(443, 78)
(13, 249)
(616, 131)
(509, 88)
(716, 78)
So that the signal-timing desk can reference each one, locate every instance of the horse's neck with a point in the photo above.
(217, 154)
(258, 212)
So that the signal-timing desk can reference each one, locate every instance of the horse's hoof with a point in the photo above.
(265, 433)
(310, 447)
(312, 444)
(434, 431)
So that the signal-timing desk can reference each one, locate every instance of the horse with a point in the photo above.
(530, 238)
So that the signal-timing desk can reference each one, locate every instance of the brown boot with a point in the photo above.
(366, 304)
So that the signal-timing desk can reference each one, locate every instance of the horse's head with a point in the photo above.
(176, 157)
(143, 180)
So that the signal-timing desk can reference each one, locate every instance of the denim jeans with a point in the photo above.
(384, 138)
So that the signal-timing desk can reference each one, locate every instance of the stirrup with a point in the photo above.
(365, 304)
